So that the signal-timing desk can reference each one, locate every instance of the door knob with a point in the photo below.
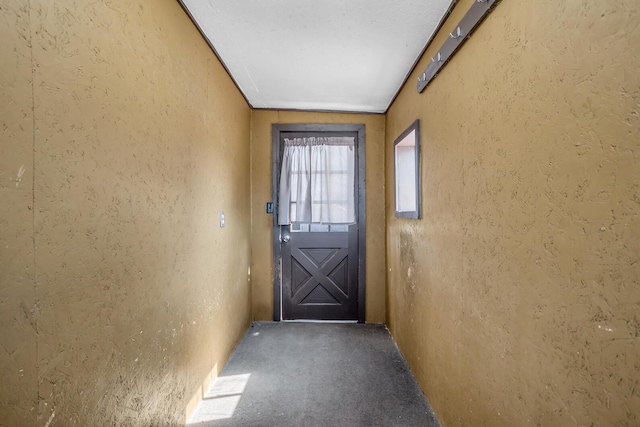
(284, 238)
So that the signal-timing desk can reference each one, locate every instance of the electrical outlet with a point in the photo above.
(221, 219)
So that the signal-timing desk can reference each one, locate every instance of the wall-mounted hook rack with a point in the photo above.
(469, 22)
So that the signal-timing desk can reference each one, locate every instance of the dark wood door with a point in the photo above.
(319, 268)
(320, 275)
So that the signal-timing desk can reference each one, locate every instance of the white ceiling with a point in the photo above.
(333, 55)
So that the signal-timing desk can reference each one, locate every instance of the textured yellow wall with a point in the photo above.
(261, 193)
(119, 296)
(516, 299)
(18, 372)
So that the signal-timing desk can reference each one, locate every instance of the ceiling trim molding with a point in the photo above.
(453, 5)
(295, 110)
(215, 52)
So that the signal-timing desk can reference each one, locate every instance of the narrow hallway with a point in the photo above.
(495, 183)
(315, 374)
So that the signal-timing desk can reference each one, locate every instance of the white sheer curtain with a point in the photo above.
(317, 181)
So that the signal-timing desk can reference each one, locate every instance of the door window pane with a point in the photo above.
(317, 181)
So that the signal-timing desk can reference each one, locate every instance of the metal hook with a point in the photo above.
(457, 36)
(437, 56)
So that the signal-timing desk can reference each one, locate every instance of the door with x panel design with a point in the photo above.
(318, 233)
(320, 275)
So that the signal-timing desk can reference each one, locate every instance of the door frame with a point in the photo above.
(277, 130)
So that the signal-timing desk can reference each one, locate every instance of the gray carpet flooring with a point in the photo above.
(315, 374)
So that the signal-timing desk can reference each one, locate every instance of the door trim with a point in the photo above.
(277, 129)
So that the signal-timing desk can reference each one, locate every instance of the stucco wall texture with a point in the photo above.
(122, 138)
(516, 298)
(261, 193)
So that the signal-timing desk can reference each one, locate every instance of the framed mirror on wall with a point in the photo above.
(407, 172)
